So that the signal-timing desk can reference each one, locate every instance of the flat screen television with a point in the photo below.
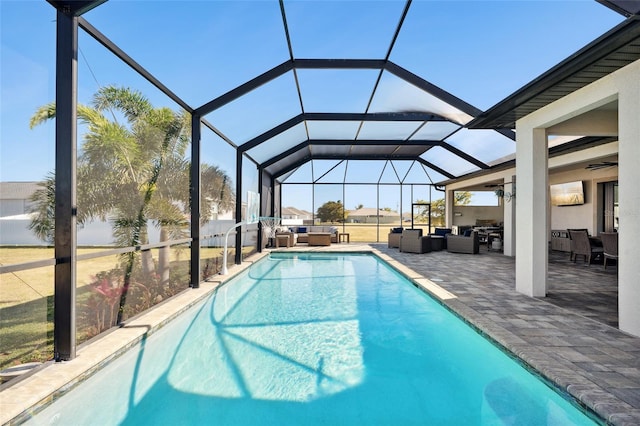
(567, 194)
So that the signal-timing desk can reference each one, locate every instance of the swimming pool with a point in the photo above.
(315, 339)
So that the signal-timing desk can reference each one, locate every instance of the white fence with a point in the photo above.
(14, 231)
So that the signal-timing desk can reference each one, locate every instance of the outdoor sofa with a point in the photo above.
(303, 232)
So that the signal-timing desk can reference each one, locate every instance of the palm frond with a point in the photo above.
(42, 114)
(132, 103)
(43, 208)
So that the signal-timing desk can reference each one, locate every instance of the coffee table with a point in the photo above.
(319, 239)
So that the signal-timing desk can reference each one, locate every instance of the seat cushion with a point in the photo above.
(442, 231)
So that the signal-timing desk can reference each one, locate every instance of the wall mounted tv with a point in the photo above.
(567, 194)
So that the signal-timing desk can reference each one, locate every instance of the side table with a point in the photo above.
(282, 240)
(342, 236)
(437, 242)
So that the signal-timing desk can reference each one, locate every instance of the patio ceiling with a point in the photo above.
(336, 97)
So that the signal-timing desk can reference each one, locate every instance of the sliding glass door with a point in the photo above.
(610, 211)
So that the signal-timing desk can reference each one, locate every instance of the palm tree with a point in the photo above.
(131, 173)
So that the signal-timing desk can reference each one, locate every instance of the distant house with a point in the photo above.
(15, 203)
(291, 213)
(15, 198)
(371, 215)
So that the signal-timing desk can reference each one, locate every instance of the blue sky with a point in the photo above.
(480, 51)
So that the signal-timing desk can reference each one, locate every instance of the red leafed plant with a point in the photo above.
(111, 294)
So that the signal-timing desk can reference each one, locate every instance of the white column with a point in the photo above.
(531, 210)
(448, 209)
(629, 197)
(509, 222)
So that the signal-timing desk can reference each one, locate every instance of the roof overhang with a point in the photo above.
(610, 52)
(624, 7)
(75, 7)
(563, 149)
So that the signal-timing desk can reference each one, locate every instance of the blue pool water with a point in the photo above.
(314, 340)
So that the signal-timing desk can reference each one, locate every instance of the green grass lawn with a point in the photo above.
(367, 233)
(23, 286)
(26, 297)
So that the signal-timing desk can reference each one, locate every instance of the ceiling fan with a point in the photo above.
(602, 165)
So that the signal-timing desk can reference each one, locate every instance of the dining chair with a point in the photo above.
(610, 246)
(571, 243)
(582, 246)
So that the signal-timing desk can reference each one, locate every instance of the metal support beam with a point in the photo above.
(338, 116)
(260, 212)
(349, 64)
(452, 149)
(215, 130)
(285, 154)
(434, 167)
(273, 185)
(376, 142)
(272, 132)
(64, 330)
(113, 48)
(238, 257)
(373, 116)
(245, 88)
(432, 89)
(194, 197)
(377, 213)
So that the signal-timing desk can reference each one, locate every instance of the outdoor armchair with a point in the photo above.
(462, 244)
(412, 241)
(393, 239)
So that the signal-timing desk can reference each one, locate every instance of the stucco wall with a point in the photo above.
(585, 215)
(471, 213)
